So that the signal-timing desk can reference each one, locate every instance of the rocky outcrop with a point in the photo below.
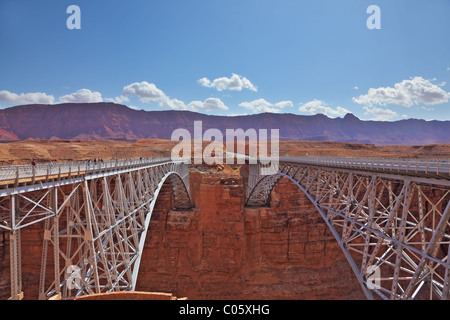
(6, 133)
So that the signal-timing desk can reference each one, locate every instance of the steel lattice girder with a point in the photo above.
(95, 225)
(396, 224)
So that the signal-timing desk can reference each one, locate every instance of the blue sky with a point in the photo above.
(231, 57)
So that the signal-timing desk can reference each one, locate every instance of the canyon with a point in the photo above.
(223, 250)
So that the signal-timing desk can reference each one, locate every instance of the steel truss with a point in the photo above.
(94, 226)
(393, 229)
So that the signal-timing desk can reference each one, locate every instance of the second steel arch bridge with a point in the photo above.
(389, 216)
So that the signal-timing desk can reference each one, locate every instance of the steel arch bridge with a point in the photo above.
(95, 215)
(389, 216)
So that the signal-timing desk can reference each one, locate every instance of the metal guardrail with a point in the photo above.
(18, 172)
(428, 166)
(406, 165)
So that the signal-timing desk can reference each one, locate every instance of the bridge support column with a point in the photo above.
(15, 254)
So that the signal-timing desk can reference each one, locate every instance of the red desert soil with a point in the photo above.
(64, 150)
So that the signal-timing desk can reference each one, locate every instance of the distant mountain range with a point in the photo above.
(99, 121)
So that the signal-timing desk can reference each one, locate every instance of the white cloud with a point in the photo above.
(356, 88)
(146, 92)
(379, 114)
(26, 98)
(173, 104)
(205, 82)
(121, 99)
(261, 105)
(284, 104)
(82, 96)
(237, 114)
(235, 83)
(135, 108)
(317, 106)
(406, 93)
(208, 104)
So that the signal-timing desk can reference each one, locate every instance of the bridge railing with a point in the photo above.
(422, 165)
(55, 170)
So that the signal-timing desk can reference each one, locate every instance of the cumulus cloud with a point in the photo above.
(380, 114)
(173, 104)
(208, 104)
(205, 82)
(119, 99)
(235, 83)
(26, 98)
(237, 114)
(284, 104)
(406, 93)
(261, 105)
(317, 106)
(146, 92)
(82, 96)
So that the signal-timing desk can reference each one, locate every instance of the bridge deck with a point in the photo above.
(427, 168)
(17, 175)
(416, 167)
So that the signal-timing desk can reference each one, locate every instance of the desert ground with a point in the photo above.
(22, 152)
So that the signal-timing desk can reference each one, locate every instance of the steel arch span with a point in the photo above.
(393, 227)
(94, 224)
